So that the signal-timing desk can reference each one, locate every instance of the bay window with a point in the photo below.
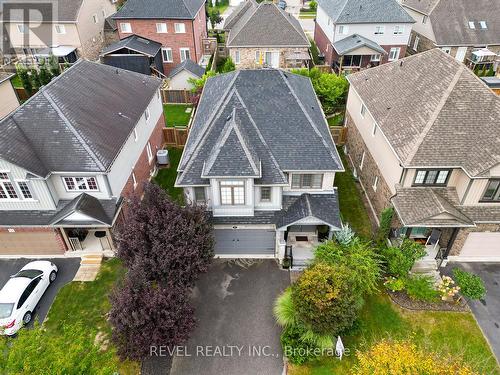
(232, 192)
(431, 177)
(307, 181)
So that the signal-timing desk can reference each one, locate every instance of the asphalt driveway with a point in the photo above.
(487, 311)
(236, 332)
(67, 268)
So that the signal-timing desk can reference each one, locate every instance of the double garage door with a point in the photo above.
(245, 242)
(483, 245)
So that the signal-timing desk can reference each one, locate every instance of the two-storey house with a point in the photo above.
(179, 25)
(67, 29)
(357, 34)
(264, 35)
(72, 155)
(468, 31)
(423, 136)
(260, 156)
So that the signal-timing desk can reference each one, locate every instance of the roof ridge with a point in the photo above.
(341, 10)
(433, 7)
(308, 204)
(435, 114)
(246, 147)
(231, 37)
(72, 129)
(282, 12)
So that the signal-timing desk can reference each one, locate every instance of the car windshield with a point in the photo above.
(5, 310)
(30, 274)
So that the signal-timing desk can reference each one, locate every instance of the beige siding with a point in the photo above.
(70, 38)
(180, 81)
(476, 191)
(460, 181)
(424, 29)
(379, 148)
(9, 100)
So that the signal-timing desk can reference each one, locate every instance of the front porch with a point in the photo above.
(88, 240)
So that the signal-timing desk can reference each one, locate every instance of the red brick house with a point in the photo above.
(71, 159)
(178, 25)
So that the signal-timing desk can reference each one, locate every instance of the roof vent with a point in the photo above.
(116, 71)
(401, 63)
(228, 118)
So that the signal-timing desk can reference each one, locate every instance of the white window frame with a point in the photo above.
(343, 29)
(179, 28)
(134, 179)
(103, 12)
(399, 29)
(375, 183)
(398, 51)
(147, 114)
(302, 184)
(199, 189)
(379, 30)
(60, 29)
(161, 28)
(26, 184)
(126, 27)
(482, 25)
(22, 28)
(237, 57)
(362, 161)
(257, 57)
(234, 190)
(270, 194)
(170, 56)
(95, 18)
(375, 57)
(424, 19)
(149, 152)
(77, 184)
(182, 52)
(415, 43)
(362, 110)
(136, 136)
(472, 25)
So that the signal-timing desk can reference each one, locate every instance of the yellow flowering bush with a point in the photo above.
(404, 358)
(447, 288)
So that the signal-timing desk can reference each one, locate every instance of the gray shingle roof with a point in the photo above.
(160, 9)
(102, 210)
(355, 41)
(425, 206)
(277, 113)
(88, 112)
(5, 76)
(266, 25)
(188, 65)
(238, 12)
(431, 108)
(67, 11)
(362, 11)
(450, 20)
(135, 43)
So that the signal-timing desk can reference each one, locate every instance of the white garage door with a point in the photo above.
(482, 246)
(245, 242)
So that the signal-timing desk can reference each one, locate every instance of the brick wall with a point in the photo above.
(464, 232)
(143, 168)
(355, 147)
(195, 30)
(324, 45)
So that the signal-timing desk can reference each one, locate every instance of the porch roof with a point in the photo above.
(429, 207)
(354, 42)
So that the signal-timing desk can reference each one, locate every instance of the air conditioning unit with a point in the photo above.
(162, 157)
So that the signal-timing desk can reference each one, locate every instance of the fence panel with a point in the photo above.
(175, 137)
(177, 96)
(339, 134)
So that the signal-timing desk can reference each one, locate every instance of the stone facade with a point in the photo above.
(195, 29)
(91, 48)
(247, 57)
(379, 198)
(464, 232)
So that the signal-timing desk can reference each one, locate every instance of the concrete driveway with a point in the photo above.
(487, 311)
(67, 268)
(236, 332)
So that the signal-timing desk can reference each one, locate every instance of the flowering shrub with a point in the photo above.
(394, 284)
(447, 288)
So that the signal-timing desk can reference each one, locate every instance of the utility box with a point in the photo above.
(162, 157)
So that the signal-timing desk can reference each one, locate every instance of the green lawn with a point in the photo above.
(352, 208)
(87, 303)
(176, 115)
(16, 81)
(446, 333)
(166, 177)
(336, 120)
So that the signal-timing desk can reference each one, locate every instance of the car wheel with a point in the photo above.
(27, 318)
(53, 276)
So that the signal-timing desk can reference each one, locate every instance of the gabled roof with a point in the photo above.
(431, 108)
(134, 43)
(238, 12)
(362, 11)
(265, 25)
(278, 116)
(425, 206)
(88, 112)
(450, 20)
(160, 9)
(66, 11)
(355, 41)
(188, 65)
(86, 205)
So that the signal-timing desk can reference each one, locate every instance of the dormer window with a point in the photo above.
(483, 24)
(307, 181)
(80, 183)
(472, 25)
(432, 177)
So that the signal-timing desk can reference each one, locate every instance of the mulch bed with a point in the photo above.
(402, 300)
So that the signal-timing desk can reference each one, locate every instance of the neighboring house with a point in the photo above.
(178, 79)
(460, 28)
(263, 35)
(110, 31)
(357, 34)
(136, 54)
(9, 100)
(179, 25)
(75, 28)
(423, 136)
(493, 83)
(72, 154)
(260, 156)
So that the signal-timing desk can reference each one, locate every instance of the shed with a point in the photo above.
(134, 53)
(179, 76)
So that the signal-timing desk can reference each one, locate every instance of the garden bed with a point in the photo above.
(403, 300)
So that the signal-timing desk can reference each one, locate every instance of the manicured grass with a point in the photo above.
(16, 81)
(87, 303)
(166, 177)
(176, 115)
(445, 333)
(352, 208)
(336, 120)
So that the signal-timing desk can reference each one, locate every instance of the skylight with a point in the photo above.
(471, 25)
(483, 24)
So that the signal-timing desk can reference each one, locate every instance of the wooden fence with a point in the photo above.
(339, 134)
(324, 68)
(177, 96)
(175, 137)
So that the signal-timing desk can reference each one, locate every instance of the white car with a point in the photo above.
(20, 295)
